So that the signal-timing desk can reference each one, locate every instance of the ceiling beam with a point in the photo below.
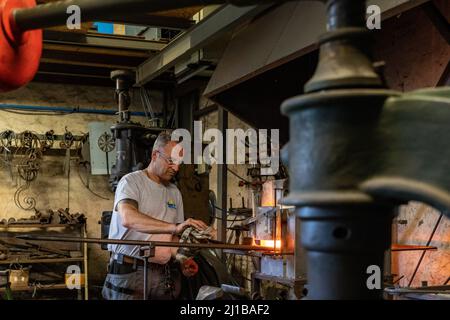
(219, 22)
(79, 49)
(86, 64)
(148, 20)
(103, 40)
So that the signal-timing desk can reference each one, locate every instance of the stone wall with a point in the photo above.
(53, 189)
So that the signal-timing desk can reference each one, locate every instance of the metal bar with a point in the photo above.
(146, 243)
(446, 281)
(165, 107)
(85, 64)
(423, 253)
(165, 22)
(145, 278)
(400, 278)
(71, 45)
(76, 75)
(443, 287)
(219, 22)
(144, 252)
(55, 13)
(9, 226)
(186, 105)
(85, 265)
(31, 261)
(194, 72)
(411, 248)
(222, 180)
(133, 43)
(283, 280)
(64, 109)
(41, 287)
(417, 249)
(222, 183)
(418, 291)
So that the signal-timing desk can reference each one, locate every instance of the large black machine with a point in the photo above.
(133, 141)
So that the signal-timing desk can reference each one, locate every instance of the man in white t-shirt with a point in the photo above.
(147, 206)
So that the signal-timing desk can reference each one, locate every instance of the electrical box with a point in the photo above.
(102, 147)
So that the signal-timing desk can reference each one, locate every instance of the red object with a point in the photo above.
(20, 52)
(190, 267)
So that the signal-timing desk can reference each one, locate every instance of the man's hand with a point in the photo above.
(213, 233)
(197, 224)
(189, 268)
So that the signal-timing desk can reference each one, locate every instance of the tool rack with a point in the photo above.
(12, 230)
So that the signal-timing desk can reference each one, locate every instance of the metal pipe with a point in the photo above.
(415, 248)
(55, 13)
(345, 13)
(423, 252)
(65, 109)
(344, 232)
(145, 278)
(124, 80)
(341, 243)
(143, 252)
(147, 243)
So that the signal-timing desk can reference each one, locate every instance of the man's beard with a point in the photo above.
(164, 174)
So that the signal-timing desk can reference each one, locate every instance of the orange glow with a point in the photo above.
(270, 243)
(267, 202)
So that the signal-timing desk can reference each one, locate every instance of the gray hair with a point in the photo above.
(163, 139)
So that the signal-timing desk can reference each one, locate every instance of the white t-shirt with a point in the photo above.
(156, 200)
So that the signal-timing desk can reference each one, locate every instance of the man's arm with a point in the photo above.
(133, 219)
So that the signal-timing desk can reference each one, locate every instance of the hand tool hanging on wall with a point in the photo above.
(29, 146)
(65, 217)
